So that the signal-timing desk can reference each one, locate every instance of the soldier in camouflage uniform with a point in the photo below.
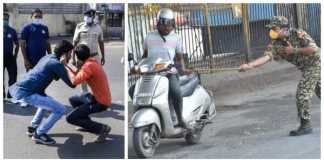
(297, 47)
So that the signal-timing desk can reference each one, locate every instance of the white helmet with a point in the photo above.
(166, 17)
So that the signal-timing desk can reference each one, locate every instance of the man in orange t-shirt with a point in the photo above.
(98, 100)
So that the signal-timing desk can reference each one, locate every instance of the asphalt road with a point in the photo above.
(70, 143)
(257, 126)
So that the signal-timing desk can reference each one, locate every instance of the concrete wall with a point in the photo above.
(55, 22)
(55, 18)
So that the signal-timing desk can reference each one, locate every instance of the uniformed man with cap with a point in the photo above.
(90, 33)
(298, 48)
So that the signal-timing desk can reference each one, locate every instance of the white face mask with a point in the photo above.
(88, 19)
(37, 21)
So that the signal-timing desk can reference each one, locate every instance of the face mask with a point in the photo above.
(5, 23)
(273, 34)
(37, 21)
(88, 19)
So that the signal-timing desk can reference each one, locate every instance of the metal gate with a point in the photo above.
(219, 35)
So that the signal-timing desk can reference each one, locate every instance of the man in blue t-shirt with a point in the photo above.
(9, 58)
(31, 89)
(35, 40)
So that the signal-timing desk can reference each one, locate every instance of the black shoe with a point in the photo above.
(301, 131)
(31, 130)
(103, 134)
(305, 128)
(43, 139)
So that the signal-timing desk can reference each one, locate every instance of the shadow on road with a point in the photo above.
(73, 147)
(11, 108)
(112, 112)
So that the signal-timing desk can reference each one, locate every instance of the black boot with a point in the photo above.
(304, 128)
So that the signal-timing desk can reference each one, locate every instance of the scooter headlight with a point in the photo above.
(143, 100)
(160, 66)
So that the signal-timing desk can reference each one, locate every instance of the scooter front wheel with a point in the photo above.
(145, 140)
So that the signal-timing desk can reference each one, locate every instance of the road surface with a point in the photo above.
(250, 125)
(70, 143)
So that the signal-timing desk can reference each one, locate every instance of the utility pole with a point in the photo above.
(210, 44)
(246, 31)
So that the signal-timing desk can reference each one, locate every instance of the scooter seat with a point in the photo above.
(188, 84)
(186, 78)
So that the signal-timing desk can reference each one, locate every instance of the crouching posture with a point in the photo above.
(31, 89)
(85, 104)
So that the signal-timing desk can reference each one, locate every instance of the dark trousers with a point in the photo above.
(10, 65)
(175, 93)
(85, 105)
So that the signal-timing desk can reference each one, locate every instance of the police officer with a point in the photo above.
(9, 58)
(301, 50)
(89, 33)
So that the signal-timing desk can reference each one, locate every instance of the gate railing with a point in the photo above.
(219, 35)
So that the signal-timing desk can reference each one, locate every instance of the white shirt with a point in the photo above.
(88, 35)
(157, 48)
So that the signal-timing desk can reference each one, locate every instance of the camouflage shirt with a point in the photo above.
(300, 39)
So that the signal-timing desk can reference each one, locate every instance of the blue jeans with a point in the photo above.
(45, 103)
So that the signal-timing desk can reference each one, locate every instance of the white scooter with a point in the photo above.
(155, 117)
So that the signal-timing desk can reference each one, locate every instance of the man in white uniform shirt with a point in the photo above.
(90, 34)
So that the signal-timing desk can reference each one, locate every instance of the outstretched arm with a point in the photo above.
(62, 72)
(258, 62)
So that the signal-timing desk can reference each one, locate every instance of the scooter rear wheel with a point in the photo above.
(145, 140)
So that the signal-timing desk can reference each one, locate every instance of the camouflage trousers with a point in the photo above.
(311, 76)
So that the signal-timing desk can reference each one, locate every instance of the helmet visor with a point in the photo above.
(166, 22)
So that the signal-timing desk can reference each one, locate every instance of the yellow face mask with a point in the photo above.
(273, 34)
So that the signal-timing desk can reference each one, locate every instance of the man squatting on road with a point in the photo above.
(31, 89)
(90, 72)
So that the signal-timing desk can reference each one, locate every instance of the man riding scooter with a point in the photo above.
(164, 43)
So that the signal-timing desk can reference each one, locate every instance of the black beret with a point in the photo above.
(90, 12)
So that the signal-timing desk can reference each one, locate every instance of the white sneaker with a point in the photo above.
(14, 100)
(23, 104)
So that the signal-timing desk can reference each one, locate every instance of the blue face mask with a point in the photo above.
(5, 23)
